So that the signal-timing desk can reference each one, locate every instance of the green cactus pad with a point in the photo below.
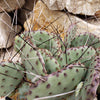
(51, 64)
(61, 58)
(18, 43)
(79, 54)
(59, 82)
(31, 57)
(33, 61)
(86, 39)
(45, 40)
(11, 76)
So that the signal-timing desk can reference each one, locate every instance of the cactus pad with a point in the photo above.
(11, 76)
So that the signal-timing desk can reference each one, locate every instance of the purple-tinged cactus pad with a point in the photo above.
(91, 83)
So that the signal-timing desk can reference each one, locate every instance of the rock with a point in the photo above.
(94, 21)
(6, 34)
(24, 13)
(61, 21)
(29, 4)
(85, 7)
(2, 98)
(97, 14)
(6, 31)
(10, 5)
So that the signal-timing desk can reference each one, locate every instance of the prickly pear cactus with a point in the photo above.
(52, 67)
